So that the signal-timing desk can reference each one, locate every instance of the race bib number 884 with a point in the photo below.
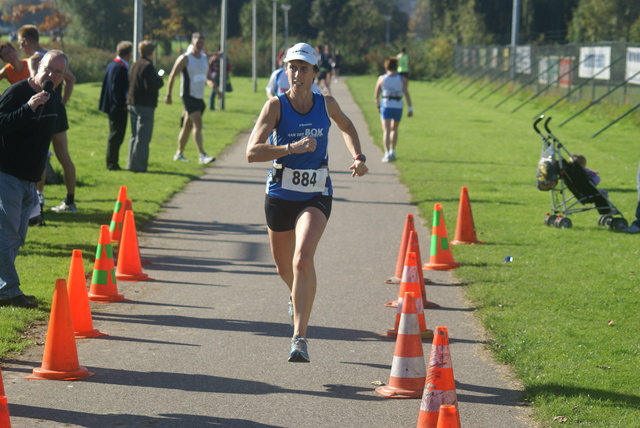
(305, 180)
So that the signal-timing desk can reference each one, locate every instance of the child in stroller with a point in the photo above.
(559, 168)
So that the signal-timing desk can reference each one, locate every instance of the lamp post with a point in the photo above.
(286, 7)
(137, 28)
(273, 36)
(223, 47)
(388, 19)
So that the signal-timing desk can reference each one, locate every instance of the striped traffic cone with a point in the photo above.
(440, 387)
(117, 218)
(103, 283)
(60, 359)
(440, 257)
(414, 246)
(408, 367)
(410, 284)
(79, 299)
(465, 229)
(409, 226)
(448, 417)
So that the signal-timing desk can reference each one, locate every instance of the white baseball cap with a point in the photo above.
(302, 52)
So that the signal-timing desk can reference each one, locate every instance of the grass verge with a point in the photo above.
(47, 252)
(564, 313)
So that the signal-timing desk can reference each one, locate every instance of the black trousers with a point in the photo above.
(117, 128)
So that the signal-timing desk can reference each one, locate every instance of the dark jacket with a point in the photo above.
(114, 88)
(24, 140)
(144, 84)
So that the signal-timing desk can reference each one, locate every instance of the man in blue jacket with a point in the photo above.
(113, 101)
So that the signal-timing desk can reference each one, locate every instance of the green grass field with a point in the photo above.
(47, 253)
(563, 314)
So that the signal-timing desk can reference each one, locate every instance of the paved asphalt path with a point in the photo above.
(206, 342)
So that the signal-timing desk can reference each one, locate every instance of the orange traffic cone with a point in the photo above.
(410, 284)
(414, 247)
(103, 283)
(60, 360)
(440, 387)
(115, 227)
(5, 421)
(129, 207)
(79, 299)
(465, 229)
(1, 386)
(129, 265)
(408, 368)
(440, 257)
(448, 417)
(402, 252)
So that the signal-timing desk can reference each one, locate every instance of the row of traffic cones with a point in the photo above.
(70, 316)
(440, 256)
(410, 378)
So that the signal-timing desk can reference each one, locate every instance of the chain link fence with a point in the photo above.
(594, 73)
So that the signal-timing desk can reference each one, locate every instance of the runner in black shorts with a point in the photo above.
(282, 214)
(192, 104)
(292, 132)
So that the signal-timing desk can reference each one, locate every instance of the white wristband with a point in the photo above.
(289, 148)
(410, 108)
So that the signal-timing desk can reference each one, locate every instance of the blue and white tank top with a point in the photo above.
(391, 91)
(301, 176)
(194, 76)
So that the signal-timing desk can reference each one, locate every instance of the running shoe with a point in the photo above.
(205, 159)
(290, 311)
(180, 157)
(385, 158)
(65, 208)
(299, 353)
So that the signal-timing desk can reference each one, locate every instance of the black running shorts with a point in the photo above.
(282, 214)
(191, 104)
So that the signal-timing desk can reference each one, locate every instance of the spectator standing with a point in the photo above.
(25, 136)
(337, 62)
(16, 69)
(403, 63)
(113, 101)
(391, 86)
(142, 100)
(193, 66)
(213, 79)
(29, 41)
(324, 64)
(635, 225)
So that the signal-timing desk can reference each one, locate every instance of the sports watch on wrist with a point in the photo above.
(360, 157)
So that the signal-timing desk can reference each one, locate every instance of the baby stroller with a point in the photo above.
(576, 192)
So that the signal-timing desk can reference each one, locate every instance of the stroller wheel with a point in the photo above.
(618, 224)
(602, 220)
(563, 223)
(550, 220)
